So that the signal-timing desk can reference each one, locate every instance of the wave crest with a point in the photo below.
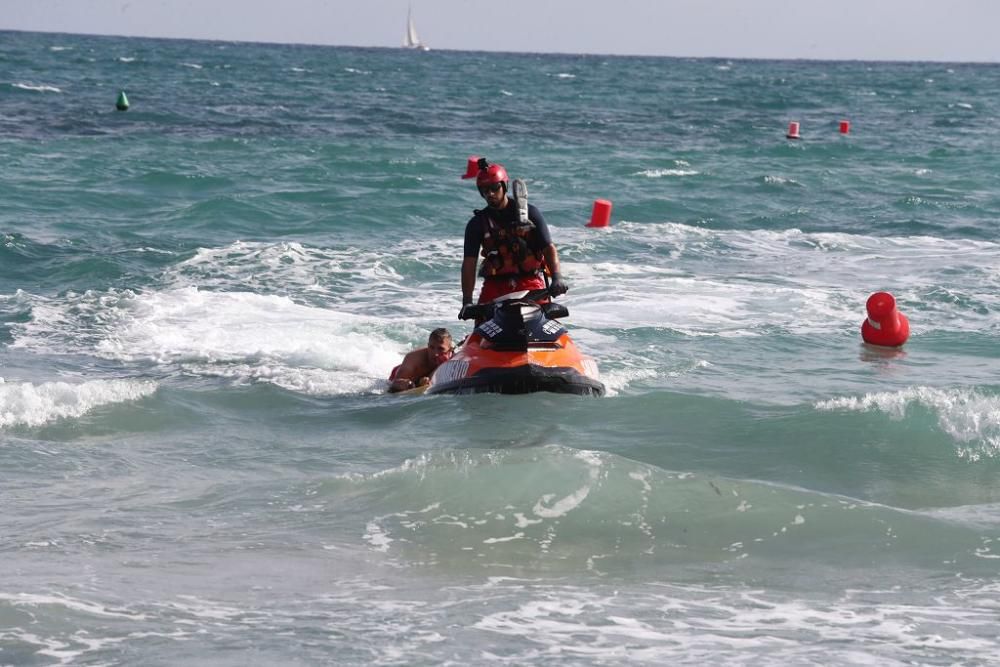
(969, 417)
(27, 404)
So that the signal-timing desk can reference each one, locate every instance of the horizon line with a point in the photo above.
(455, 50)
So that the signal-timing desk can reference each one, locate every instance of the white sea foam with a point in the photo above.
(311, 381)
(781, 180)
(509, 538)
(693, 624)
(805, 282)
(224, 330)
(66, 650)
(196, 607)
(509, 620)
(616, 380)
(233, 326)
(69, 603)
(660, 173)
(42, 88)
(27, 404)
(703, 306)
(969, 417)
(355, 272)
(549, 508)
(252, 337)
(987, 514)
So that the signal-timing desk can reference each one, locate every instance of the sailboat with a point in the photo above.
(410, 40)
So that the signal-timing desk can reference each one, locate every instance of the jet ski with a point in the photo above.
(518, 347)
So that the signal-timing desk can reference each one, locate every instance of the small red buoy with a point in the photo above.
(793, 131)
(601, 215)
(845, 126)
(885, 326)
(472, 167)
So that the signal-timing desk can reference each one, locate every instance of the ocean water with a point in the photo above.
(200, 298)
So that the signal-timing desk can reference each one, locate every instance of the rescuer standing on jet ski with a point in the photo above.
(513, 239)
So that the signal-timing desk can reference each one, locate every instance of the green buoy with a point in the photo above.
(122, 102)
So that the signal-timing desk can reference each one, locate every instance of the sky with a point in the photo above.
(937, 30)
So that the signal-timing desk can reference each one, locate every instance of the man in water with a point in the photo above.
(417, 366)
(516, 246)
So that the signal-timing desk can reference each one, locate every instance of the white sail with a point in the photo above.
(411, 40)
(411, 32)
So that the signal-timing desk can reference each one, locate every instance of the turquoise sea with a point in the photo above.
(200, 298)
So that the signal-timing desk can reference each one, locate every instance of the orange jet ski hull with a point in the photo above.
(518, 351)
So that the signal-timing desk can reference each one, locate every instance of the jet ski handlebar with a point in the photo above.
(485, 310)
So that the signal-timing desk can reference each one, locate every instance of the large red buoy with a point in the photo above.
(885, 325)
(600, 216)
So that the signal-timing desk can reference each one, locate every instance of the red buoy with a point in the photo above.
(885, 326)
(845, 126)
(601, 215)
(793, 131)
(472, 167)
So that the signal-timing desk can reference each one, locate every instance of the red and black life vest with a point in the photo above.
(506, 249)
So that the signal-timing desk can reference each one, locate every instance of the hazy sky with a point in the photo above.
(952, 30)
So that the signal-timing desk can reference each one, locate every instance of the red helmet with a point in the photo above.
(490, 174)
